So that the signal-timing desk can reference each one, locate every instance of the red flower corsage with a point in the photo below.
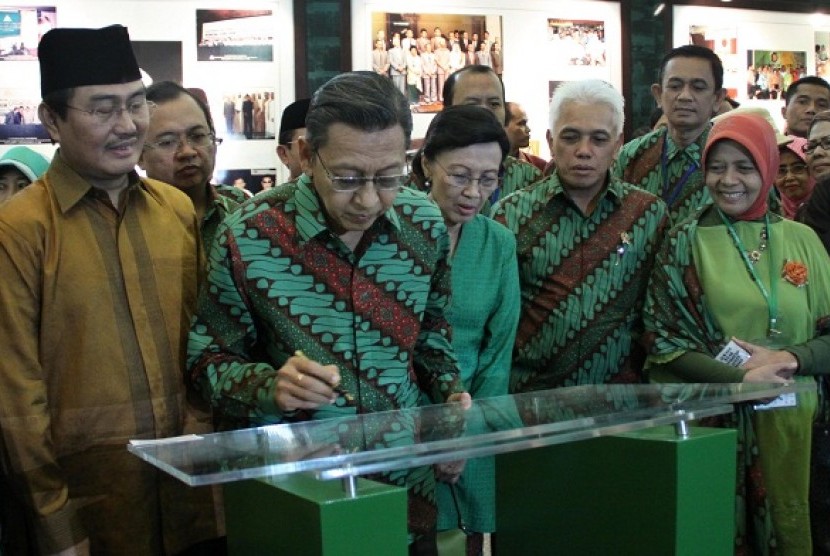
(795, 273)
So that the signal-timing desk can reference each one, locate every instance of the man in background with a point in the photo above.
(803, 100)
(100, 272)
(518, 133)
(292, 127)
(479, 85)
(180, 149)
(667, 161)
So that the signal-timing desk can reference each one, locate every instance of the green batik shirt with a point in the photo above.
(657, 164)
(518, 174)
(583, 280)
(279, 281)
(223, 200)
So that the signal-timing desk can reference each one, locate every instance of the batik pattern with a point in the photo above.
(639, 163)
(679, 319)
(279, 281)
(583, 281)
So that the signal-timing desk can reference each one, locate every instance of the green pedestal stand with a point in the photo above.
(302, 516)
(644, 493)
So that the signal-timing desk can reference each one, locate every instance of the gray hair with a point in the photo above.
(588, 91)
(362, 100)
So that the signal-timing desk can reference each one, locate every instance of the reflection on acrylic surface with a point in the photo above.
(385, 441)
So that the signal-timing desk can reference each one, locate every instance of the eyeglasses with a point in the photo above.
(138, 109)
(811, 146)
(351, 184)
(487, 182)
(172, 143)
(797, 169)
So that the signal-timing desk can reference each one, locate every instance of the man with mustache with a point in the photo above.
(100, 272)
(666, 162)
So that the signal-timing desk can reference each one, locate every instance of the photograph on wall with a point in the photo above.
(770, 72)
(251, 180)
(419, 51)
(21, 28)
(723, 41)
(573, 42)
(19, 123)
(821, 53)
(235, 35)
(250, 113)
(159, 60)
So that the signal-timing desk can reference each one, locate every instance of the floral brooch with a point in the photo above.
(795, 273)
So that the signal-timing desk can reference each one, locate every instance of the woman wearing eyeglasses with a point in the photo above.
(793, 182)
(816, 212)
(460, 164)
(738, 271)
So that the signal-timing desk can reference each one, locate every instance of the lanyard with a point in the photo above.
(771, 296)
(670, 198)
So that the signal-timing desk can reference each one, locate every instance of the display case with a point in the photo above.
(299, 459)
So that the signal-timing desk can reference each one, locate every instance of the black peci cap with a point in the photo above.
(77, 57)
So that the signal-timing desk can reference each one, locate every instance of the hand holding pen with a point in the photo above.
(306, 384)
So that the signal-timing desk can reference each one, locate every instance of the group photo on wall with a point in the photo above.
(419, 51)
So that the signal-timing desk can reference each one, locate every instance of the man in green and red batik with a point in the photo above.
(585, 243)
(326, 296)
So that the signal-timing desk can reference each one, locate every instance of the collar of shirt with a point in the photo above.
(70, 187)
(311, 220)
(218, 203)
(552, 187)
(693, 152)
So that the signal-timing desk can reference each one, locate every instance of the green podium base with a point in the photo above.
(643, 493)
(303, 516)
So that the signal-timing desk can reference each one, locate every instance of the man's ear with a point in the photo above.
(49, 120)
(305, 156)
(282, 153)
(720, 96)
(657, 92)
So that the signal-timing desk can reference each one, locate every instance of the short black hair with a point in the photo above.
(362, 100)
(507, 115)
(165, 91)
(694, 51)
(457, 127)
(806, 80)
(449, 84)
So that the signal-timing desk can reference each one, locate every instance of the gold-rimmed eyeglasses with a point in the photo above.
(106, 112)
(351, 184)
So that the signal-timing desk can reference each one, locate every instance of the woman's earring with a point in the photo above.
(428, 183)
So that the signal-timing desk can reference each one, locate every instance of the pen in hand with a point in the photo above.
(336, 387)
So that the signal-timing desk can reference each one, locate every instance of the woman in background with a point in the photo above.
(793, 182)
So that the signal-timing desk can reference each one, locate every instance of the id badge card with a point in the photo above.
(784, 400)
(733, 355)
